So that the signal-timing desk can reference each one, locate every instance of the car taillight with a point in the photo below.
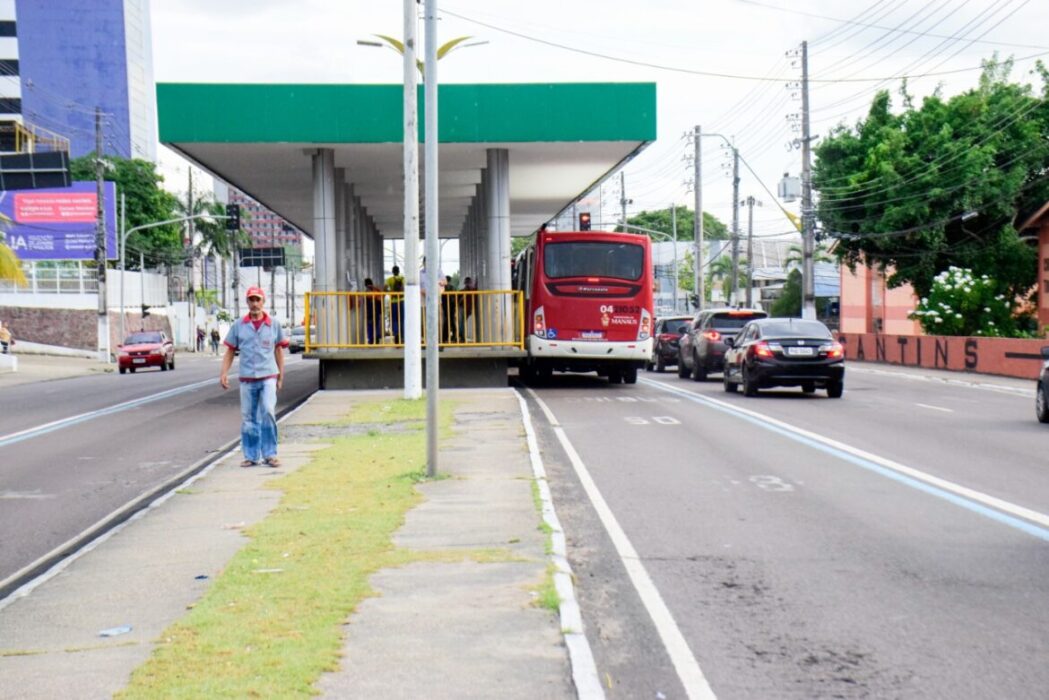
(761, 349)
(644, 329)
(834, 351)
(711, 335)
(539, 323)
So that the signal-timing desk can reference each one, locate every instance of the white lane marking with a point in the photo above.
(685, 663)
(62, 564)
(73, 420)
(28, 433)
(25, 495)
(584, 668)
(951, 381)
(967, 494)
(935, 408)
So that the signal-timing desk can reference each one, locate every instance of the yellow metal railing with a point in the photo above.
(355, 320)
(30, 138)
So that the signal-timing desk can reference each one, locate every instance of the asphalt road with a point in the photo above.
(854, 549)
(62, 480)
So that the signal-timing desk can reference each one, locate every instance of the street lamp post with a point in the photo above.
(673, 237)
(123, 245)
(698, 177)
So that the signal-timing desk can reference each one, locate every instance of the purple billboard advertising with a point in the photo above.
(59, 223)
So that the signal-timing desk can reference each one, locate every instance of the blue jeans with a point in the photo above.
(258, 419)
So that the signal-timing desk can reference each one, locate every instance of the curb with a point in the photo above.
(581, 658)
(23, 581)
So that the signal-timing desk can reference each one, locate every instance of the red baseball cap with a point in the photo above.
(255, 292)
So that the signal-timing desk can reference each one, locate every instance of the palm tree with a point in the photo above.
(796, 256)
(720, 270)
(10, 265)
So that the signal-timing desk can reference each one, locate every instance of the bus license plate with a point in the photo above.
(799, 351)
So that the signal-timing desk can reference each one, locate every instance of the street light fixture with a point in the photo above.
(123, 246)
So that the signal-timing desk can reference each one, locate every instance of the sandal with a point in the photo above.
(272, 462)
(248, 463)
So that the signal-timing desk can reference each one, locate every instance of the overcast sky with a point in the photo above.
(681, 45)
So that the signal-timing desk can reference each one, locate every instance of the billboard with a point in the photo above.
(262, 257)
(58, 223)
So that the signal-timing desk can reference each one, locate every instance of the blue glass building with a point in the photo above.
(76, 56)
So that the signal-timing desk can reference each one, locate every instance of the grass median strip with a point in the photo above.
(272, 621)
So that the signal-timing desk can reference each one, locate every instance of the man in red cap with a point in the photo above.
(261, 343)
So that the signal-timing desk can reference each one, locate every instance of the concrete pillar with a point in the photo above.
(340, 228)
(324, 237)
(484, 281)
(497, 205)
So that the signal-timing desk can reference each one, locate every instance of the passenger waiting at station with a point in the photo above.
(373, 311)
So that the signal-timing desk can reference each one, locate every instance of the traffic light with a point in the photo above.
(145, 310)
(584, 221)
(233, 217)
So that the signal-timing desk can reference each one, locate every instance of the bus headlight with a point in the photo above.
(644, 330)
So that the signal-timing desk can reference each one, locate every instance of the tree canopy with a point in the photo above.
(660, 220)
(940, 185)
(146, 203)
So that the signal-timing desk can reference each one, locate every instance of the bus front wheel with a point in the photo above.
(630, 375)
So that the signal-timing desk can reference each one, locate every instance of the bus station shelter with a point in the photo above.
(329, 159)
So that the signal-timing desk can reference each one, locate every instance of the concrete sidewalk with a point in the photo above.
(436, 629)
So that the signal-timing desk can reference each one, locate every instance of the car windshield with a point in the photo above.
(675, 325)
(139, 338)
(729, 321)
(795, 328)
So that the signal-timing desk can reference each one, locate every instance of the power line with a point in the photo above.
(875, 26)
(709, 74)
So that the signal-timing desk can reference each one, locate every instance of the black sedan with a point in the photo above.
(785, 352)
(1041, 396)
(667, 333)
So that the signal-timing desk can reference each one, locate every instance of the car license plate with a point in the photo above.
(139, 360)
(799, 351)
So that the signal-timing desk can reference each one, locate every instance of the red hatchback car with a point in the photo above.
(146, 349)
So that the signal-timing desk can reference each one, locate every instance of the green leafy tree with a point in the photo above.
(940, 185)
(146, 203)
(661, 220)
(789, 301)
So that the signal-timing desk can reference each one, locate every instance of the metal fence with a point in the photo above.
(353, 320)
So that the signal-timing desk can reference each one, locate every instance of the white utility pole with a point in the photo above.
(735, 227)
(433, 250)
(697, 224)
(410, 323)
(123, 227)
(808, 286)
(750, 202)
(673, 227)
(100, 244)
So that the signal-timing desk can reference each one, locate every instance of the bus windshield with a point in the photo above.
(593, 259)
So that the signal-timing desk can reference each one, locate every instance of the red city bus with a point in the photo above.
(588, 303)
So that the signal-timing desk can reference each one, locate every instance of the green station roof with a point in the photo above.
(562, 138)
